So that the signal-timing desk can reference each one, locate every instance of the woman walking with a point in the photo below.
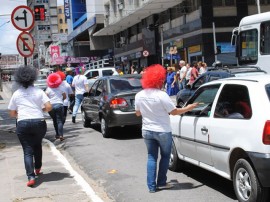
(57, 95)
(171, 82)
(27, 104)
(154, 105)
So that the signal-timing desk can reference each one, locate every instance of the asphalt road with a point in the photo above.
(117, 166)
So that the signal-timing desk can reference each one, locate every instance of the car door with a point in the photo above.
(89, 102)
(195, 126)
(232, 122)
(96, 98)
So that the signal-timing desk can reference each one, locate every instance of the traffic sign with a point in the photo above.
(22, 18)
(25, 44)
(145, 53)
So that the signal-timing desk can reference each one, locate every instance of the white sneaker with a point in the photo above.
(166, 186)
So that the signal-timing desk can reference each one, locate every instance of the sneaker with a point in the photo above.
(166, 186)
(37, 171)
(30, 183)
(152, 191)
(73, 119)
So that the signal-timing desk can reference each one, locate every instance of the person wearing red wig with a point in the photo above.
(155, 105)
(68, 91)
(57, 94)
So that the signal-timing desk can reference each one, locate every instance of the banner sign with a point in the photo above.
(68, 59)
(67, 9)
(55, 52)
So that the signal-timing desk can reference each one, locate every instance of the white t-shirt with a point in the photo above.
(28, 102)
(182, 71)
(202, 70)
(55, 94)
(155, 106)
(188, 73)
(68, 90)
(79, 83)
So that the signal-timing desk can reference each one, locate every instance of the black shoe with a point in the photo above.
(73, 119)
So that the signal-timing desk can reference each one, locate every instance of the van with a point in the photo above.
(93, 74)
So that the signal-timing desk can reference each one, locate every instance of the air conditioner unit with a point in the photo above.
(120, 6)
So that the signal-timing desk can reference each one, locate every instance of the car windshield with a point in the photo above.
(124, 84)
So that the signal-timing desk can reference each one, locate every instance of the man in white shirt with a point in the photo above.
(80, 84)
(182, 73)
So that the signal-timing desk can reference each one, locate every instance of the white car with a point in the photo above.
(93, 74)
(228, 134)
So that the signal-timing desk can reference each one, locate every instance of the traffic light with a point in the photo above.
(0, 56)
(39, 12)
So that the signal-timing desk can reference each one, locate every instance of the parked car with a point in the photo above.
(41, 82)
(93, 74)
(214, 74)
(228, 134)
(110, 102)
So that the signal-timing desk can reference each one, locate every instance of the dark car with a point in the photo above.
(110, 102)
(214, 74)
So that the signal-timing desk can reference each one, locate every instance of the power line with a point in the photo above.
(4, 23)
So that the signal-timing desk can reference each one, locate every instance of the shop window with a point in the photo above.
(218, 3)
(61, 30)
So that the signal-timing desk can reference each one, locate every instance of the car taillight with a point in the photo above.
(118, 102)
(266, 133)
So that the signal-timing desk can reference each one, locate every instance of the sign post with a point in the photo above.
(22, 18)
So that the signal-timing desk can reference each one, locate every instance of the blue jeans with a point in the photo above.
(57, 115)
(78, 101)
(155, 141)
(182, 84)
(30, 133)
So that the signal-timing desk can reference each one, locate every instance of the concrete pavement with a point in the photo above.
(58, 181)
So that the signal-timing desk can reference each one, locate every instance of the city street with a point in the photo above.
(117, 166)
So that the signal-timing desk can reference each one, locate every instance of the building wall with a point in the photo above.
(62, 24)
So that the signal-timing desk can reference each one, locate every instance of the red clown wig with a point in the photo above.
(54, 80)
(61, 74)
(153, 76)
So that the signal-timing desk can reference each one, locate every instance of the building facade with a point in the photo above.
(143, 32)
(43, 30)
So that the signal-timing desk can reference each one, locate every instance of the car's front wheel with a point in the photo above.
(246, 184)
(175, 163)
(85, 120)
(105, 130)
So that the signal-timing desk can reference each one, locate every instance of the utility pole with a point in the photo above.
(258, 6)
(215, 42)
(161, 43)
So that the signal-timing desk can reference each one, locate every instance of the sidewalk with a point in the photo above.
(58, 181)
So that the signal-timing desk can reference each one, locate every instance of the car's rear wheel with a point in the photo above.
(105, 130)
(175, 163)
(86, 121)
(246, 184)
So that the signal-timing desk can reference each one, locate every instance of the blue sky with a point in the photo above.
(8, 33)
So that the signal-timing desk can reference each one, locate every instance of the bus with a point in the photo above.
(252, 41)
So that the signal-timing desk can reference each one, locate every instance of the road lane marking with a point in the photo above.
(78, 178)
